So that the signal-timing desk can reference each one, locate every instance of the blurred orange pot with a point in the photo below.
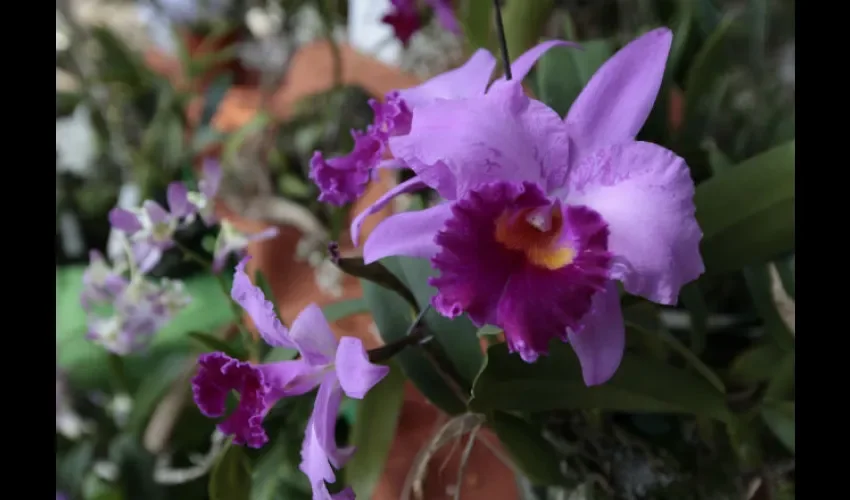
(294, 286)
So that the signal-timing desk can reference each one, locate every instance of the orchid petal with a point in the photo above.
(601, 342)
(645, 194)
(617, 100)
(408, 186)
(409, 233)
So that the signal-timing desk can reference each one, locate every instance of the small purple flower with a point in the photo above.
(204, 199)
(61, 496)
(343, 179)
(538, 205)
(101, 282)
(151, 229)
(232, 241)
(335, 367)
(138, 312)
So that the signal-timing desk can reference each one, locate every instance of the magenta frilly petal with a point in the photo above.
(343, 179)
(601, 341)
(218, 374)
(617, 100)
(495, 285)
(408, 233)
(645, 194)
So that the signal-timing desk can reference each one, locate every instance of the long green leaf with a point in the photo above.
(524, 22)
(476, 17)
(230, 478)
(344, 309)
(747, 213)
(563, 72)
(555, 382)
(456, 336)
(781, 420)
(374, 430)
(393, 316)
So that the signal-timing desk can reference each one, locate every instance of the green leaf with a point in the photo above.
(756, 364)
(393, 316)
(230, 478)
(216, 344)
(72, 467)
(708, 65)
(780, 418)
(781, 385)
(524, 23)
(555, 382)
(344, 309)
(161, 376)
(476, 18)
(456, 336)
(118, 62)
(760, 286)
(206, 137)
(535, 456)
(376, 273)
(374, 431)
(694, 302)
(681, 34)
(747, 213)
(273, 476)
(563, 72)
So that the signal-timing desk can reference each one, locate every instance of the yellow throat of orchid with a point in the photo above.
(536, 233)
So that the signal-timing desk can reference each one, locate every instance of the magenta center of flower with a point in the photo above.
(538, 234)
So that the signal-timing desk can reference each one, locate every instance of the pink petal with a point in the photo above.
(313, 337)
(325, 414)
(500, 136)
(645, 194)
(599, 345)
(523, 64)
(617, 100)
(467, 80)
(356, 374)
(408, 186)
(409, 233)
(124, 220)
(178, 200)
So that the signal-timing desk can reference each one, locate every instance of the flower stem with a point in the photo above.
(415, 335)
(503, 42)
(119, 376)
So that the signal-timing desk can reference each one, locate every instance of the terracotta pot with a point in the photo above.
(294, 285)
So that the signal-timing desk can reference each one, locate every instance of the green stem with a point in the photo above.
(119, 375)
(415, 335)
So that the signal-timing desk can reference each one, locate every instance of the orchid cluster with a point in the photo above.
(135, 306)
(406, 17)
(540, 216)
(335, 367)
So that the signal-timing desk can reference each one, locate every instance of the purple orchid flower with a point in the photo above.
(204, 199)
(343, 179)
(334, 367)
(538, 205)
(232, 241)
(138, 312)
(151, 229)
(101, 282)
